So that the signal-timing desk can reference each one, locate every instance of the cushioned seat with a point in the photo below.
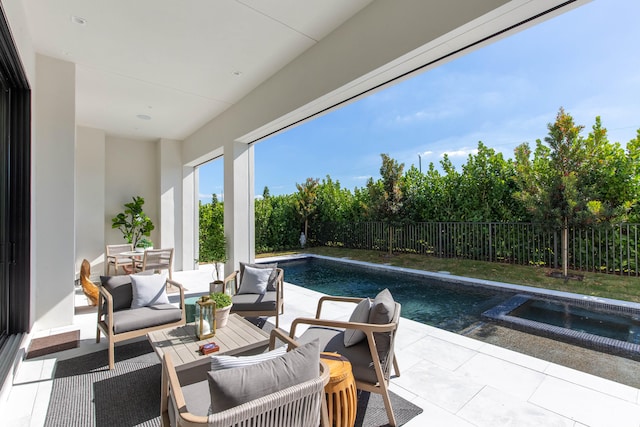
(145, 317)
(332, 340)
(253, 302)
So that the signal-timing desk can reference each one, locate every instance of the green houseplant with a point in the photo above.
(223, 307)
(143, 244)
(133, 223)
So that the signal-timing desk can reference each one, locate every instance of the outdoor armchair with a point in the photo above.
(188, 400)
(372, 354)
(266, 298)
(131, 306)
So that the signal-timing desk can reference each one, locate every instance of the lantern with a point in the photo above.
(205, 318)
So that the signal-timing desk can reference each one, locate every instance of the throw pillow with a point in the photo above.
(254, 280)
(271, 285)
(227, 362)
(360, 315)
(120, 289)
(232, 387)
(149, 290)
(382, 312)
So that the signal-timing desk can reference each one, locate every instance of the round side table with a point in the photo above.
(342, 398)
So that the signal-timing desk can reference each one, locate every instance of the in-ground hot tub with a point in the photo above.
(591, 324)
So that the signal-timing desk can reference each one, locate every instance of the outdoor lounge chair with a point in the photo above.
(125, 312)
(156, 260)
(370, 351)
(188, 400)
(264, 299)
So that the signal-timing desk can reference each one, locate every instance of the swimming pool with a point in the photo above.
(456, 304)
(447, 306)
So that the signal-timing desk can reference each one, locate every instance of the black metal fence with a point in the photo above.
(610, 248)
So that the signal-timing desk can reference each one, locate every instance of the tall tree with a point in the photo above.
(305, 200)
(386, 195)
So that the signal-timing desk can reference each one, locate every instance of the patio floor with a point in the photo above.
(458, 381)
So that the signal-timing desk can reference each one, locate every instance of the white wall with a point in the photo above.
(54, 178)
(90, 199)
(170, 190)
(130, 170)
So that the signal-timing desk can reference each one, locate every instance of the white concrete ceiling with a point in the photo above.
(149, 69)
(179, 62)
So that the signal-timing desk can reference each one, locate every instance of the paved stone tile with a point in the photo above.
(439, 386)
(491, 408)
(505, 376)
(434, 416)
(514, 357)
(584, 405)
(440, 352)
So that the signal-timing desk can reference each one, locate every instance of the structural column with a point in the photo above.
(239, 208)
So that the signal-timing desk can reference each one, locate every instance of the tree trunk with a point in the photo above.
(565, 249)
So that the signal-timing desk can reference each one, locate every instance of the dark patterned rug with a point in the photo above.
(86, 393)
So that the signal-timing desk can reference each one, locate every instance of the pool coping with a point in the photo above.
(606, 303)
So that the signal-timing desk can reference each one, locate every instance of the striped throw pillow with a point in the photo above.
(225, 362)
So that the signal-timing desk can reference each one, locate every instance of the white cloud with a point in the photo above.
(462, 152)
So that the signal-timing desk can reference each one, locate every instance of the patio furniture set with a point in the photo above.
(241, 384)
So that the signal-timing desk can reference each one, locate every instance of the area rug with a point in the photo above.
(53, 343)
(86, 393)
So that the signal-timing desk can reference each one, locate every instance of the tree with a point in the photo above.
(552, 186)
(133, 223)
(386, 194)
(213, 243)
(305, 200)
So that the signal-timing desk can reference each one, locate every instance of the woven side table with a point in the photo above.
(342, 398)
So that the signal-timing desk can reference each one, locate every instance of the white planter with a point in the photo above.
(222, 316)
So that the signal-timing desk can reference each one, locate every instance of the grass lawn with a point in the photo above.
(595, 284)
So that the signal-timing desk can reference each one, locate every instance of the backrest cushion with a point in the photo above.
(254, 280)
(120, 289)
(148, 290)
(271, 285)
(382, 311)
(360, 315)
(224, 361)
(233, 387)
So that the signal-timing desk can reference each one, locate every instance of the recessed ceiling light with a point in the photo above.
(143, 117)
(78, 20)
(237, 73)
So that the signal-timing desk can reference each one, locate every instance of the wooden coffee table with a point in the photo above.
(181, 343)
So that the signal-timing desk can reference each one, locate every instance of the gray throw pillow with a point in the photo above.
(224, 361)
(271, 285)
(232, 387)
(382, 311)
(120, 289)
(254, 280)
(360, 315)
(149, 290)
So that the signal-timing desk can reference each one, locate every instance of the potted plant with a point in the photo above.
(213, 242)
(144, 244)
(133, 223)
(223, 307)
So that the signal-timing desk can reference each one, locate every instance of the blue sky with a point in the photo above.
(586, 60)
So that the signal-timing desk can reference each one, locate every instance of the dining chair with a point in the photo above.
(114, 258)
(156, 259)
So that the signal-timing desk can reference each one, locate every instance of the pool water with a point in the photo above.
(448, 306)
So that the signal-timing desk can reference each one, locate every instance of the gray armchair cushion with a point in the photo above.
(360, 315)
(232, 387)
(254, 302)
(271, 284)
(120, 289)
(382, 310)
(145, 317)
(149, 289)
(197, 397)
(332, 341)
